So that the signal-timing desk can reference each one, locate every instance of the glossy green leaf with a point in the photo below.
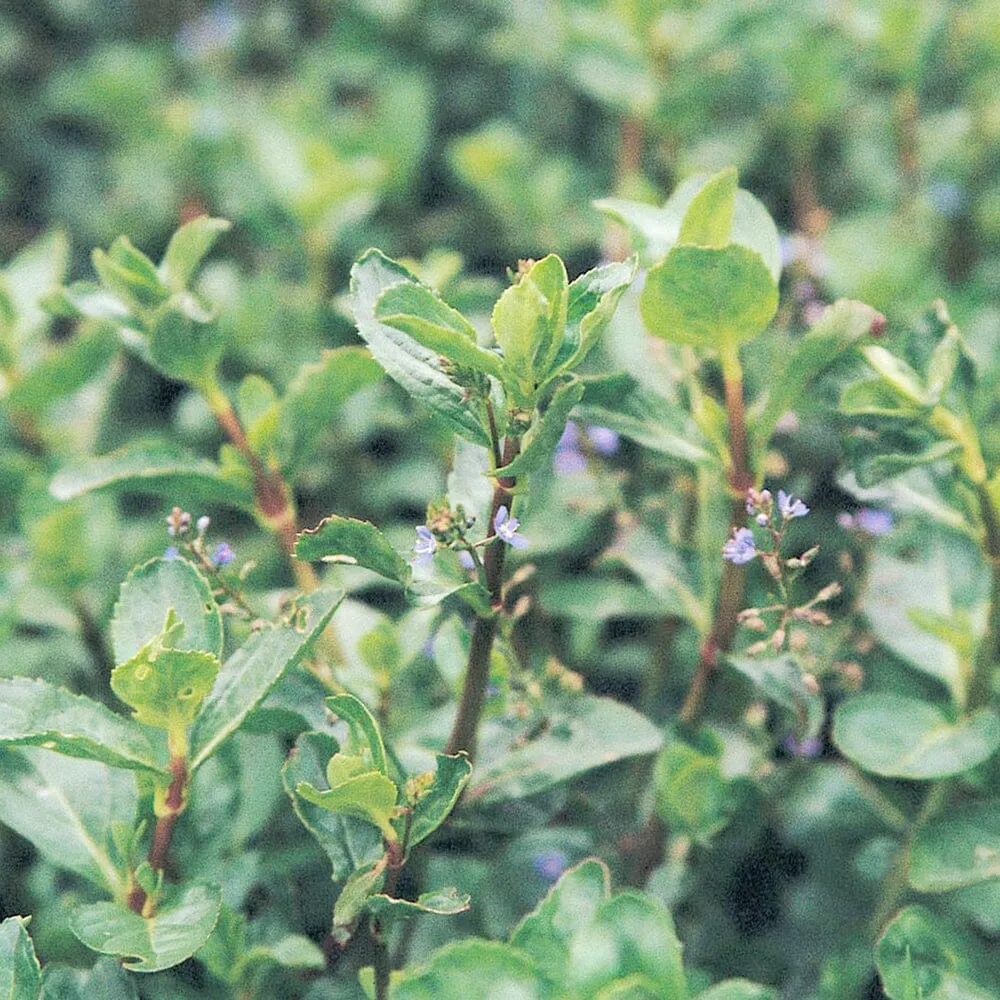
(65, 807)
(547, 933)
(349, 843)
(370, 796)
(540, 443)
(709, 297)
(182, 924)
(356, 543)
(153, 589)
(437, 802)
(187, 248)
(249, 674)
(738, 989)
(921, 957)
(163, 470)
(708, 220)
(414, 367)
(365, 732)
(20, 973)
(956, 848)
(36, 713)
(445, 902)
(589, 733)
(432, 323)
(470, 970)
(900, 737)
(311, 403)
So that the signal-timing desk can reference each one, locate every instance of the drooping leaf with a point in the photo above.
(348, 842)
(65, 807)
(163, 470)
(443, 902)
(901, 737)
(416, 368)
(246, 677)
(36, 713)
(348, 540)
(181, 925)
(20, 972)
(957, 848)
(437, 802)
(187, 248)
(149, 592)
(545, 434)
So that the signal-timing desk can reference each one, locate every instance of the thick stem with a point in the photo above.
(477, 671)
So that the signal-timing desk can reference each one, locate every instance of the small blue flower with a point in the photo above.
(604, 440)
(425, 547)
(223, 554)
(506, 528)
(171, 552)
(874, 521)
(465, 560)
(550, 864)
(741, 548)
(789, 506)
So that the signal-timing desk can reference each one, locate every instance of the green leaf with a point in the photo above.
(65, 807)
(546, 934)
(357, 543)
(738, 989)
(900, 737)
(163, 470)
(921, 957)
(692, 795)
(542, 438)
(414, 367)
(20, 972)
(185, 343)
(897, 375)
(349, 843)
(590, 732)
(181, 925)
(432, 323)
(34, 271)
(36, 713)
(873, 465)
(709, 218)
(840, 327)
(635, 987)
(709, 297)
(187, 248)
(957, 848)
(165, 687)
(470, 970)
(445, 902)
(250, 673)
(354, 897)
(129, 274)
(871, 397)
(106, 980)
(780, 680)
(153, 589)
(437, 802)
(529, 320)
(86, 299)
(370, 796)
(365, 732)
(314, 397)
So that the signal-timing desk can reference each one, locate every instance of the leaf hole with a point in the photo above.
(142, 671)
(185, 693)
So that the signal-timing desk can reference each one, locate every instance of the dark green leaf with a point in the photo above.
(957, 848)
(357, 543)
(107, 980)
(436, 803)
(692, 795)
(354, 897)
(185, 343)
(20, 973)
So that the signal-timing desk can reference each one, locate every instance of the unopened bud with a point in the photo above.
(778, 639)
(571, 681)
(756, 648)
(853, 676)
(829, 592)
(810, 683)
(203, 522)
(798, 641)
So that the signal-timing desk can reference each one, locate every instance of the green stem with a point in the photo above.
(988, 652)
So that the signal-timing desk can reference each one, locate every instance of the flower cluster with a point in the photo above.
(179, 527)
(742, 547)
(446, 529)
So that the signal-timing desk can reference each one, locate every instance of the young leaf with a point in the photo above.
(181, 925)
(20, 972)
(365, 732)
(130, 275)
(370, 796)
(348, 842)
(247, 676)
(900, 737)
(359, 543)
(417, 311)
(153, 589)
(416, 368)
(36, 713)
(65, 807)
(708, 220)
(437, 802)
(358, 890)
(186, 249)
(185, 343)
(540, 444)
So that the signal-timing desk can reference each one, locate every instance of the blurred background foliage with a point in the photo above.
(464, 135)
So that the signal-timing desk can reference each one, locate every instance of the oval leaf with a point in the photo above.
(958, 848)
(348, 540)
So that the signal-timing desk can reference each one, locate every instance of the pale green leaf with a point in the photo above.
(186, 249)
(370, 796)
(365, 732)
(20, 972)
(708, 220)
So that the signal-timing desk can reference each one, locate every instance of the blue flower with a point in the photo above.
(506, 528)
(741, 548)
(604, 440)
(425, 547)
(789, 506)
(465, 560)
(874, 521)
(550, 864)
(223, 554)
(171, 552)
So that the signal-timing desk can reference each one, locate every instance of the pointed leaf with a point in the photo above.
(437, 803)
(181, 925)
(20, 972)
(709, 218)
(900, 737)
(349, 843)
(153, 589)
(545, 432)
(130, 275)
(365, 732)
(187, 248)
(36, 713)
(248, 675)
(444, 902)
(357, 543)
(416, 368)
